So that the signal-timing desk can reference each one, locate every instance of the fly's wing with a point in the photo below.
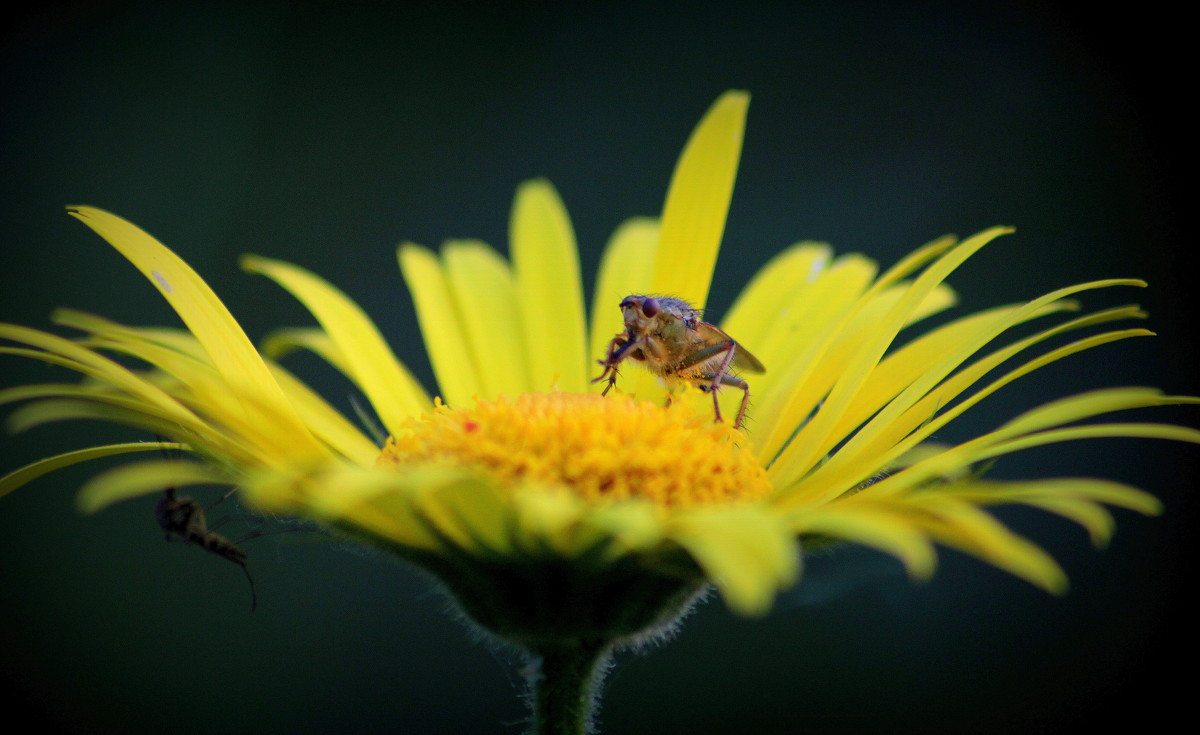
(742, 359)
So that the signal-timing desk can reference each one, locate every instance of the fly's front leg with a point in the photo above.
(617, 349)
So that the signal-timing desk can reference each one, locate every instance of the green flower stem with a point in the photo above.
(564, 681)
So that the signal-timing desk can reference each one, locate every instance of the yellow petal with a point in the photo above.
(1086, 405)
(282, 342)
(969, 529)
(693, 219)
(390, 388)
(470, 513)
(797, 350)
(872, 526)
(487, 300)
(813, 440)
(878, 445)
(90, 363)
(207, 318)
(629, 526)
(113, 410)
(1094, 431)
(178, 340)
(143, 478)
(34, 470)
(325, 422)
(547, 519)
(1098, 522)
(90, 401)
(1013, 435)
(197, 385)
(443, 330)
(775, 293)
(549, 288)
(746, 552)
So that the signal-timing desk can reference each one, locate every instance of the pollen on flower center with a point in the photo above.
(599, 448)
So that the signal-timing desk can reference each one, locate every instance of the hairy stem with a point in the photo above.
(564, 685)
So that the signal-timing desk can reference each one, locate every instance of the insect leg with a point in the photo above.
(707, 353)
(224, 519)
(618, 348)
(738, 383)
(716, 377)
(221, 499)
(253, 594)
(733, 381)
(217, 544)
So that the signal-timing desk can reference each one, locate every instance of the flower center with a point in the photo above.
(599, 448)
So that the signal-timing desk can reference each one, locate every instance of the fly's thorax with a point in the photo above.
(673, 331)
(176, 514)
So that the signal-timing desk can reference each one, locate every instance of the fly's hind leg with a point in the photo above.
(716, 378)
(738, 383)
(732, 381)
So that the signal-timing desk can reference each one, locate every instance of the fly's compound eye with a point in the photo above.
(650, 308)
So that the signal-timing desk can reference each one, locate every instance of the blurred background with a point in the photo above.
(324, 135)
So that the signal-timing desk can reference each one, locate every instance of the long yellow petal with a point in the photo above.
(1077, 499)
(970, 529)
(1094, 431)
(375, 504)
(812, 441)
(774, 291)
(197, 385)
(443, 330)
(325, 422)
(878, 444)
(474, 515)
(94, 365)
(51, 410)
(798, 349)
(747, 553)
(488, 303)
(36, 414)
(870, 526)
(34, 470)
(143, 478)
(282, 342)
(390, 388)
(549, 288)
(693, 219)
(1019, 434)
(207, 318)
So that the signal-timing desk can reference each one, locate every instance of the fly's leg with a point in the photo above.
(617, 350)
(704, 354)
(734, 382)
(720, 376)
(738, 383)
(253, 593)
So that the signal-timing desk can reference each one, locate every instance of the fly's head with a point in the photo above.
(658, 316)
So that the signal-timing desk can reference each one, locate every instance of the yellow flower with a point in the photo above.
(526, 474)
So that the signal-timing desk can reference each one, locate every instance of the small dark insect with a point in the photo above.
(666, 334)
(183, 517)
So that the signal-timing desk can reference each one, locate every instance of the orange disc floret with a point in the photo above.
(599, 448)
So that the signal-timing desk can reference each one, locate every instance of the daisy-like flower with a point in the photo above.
(568, 522)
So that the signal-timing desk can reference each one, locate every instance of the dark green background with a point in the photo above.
(325, 135)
